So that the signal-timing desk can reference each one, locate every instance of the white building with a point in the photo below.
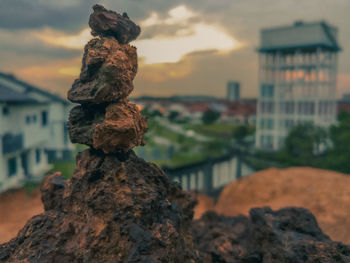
(297, 75)
(32, 131)
(233, 91)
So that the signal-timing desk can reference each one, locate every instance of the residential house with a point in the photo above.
(33, 131)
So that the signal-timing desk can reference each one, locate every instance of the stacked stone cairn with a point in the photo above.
(106, 120)
(116, 207)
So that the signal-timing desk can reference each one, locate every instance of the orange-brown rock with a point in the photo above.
(325, 193)
(118, 127)
(107, 74)
(110, 211)
(105, 22)
(122, 129)
(289, 235)
(204, 204)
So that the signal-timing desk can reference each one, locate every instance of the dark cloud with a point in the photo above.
(208, 72)
(24, 14)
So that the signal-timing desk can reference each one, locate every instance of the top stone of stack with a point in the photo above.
(105, 23)
(109, 64)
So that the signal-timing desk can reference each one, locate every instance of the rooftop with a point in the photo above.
(12, 96)
(9, 93)
(300, 35)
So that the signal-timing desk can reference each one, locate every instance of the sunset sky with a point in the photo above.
(185, 48)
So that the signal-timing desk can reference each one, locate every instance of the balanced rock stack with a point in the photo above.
(106, 120)
(119, 208)
(116, 207)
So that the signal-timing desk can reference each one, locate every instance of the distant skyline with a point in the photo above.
(185, 48)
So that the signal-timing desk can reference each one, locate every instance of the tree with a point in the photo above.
(210, 116)
(304, 145)
(150, 113)
(240, 134)
(173, 115)
(339, 156)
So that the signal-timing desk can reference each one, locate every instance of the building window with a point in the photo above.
(12, 166)
(280, 141)
(262, 140)
(34, 118)
(5, 111)
(267, 91)
(28, 119)
(44, 118)
(38, 155)
(262, 124)
(289, 124)
(269, 141)
(269, 124)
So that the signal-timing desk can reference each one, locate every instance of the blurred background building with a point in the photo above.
(33, 132)
(233, 91)
(297, 76)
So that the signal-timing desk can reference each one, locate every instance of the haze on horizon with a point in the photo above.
(185, 48)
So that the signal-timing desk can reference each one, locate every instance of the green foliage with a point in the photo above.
(311, 146)
(241, 133)
(304, 145)
(148, 113)
(66, 168)
(173, 115)
(216, 130)
(210, 116)
(338, 157)
(31, 187)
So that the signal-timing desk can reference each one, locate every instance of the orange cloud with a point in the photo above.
(189, 37)
(56, 76)
(161, 72)
(60, 39)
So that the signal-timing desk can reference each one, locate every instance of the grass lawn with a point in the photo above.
(217, 129)
(181, 158)
(66, 168)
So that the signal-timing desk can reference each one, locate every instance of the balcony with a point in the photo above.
(12, 143)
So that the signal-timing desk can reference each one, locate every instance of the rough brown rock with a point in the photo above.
(326, 194)
(204, 204)
(123, 129)
(110, 211)
(290, 235)
(52, 191)
(82, 122)
(109, 23)
(107, 73)
(118, 127)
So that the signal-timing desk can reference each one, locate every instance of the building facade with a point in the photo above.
(297, 80)
(233, 91)
(33, 132)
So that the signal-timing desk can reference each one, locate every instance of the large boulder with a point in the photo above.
(110, 211)
(289, 235)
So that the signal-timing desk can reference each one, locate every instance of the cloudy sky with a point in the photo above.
(186, 47)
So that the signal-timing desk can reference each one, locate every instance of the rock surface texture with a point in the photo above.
(109, 23)
(107, 72)
(110, 211)
(119, 208)
(116, 127)
(289, 235)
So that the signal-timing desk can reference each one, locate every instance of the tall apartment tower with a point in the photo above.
(297, 77)
(233, 91)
